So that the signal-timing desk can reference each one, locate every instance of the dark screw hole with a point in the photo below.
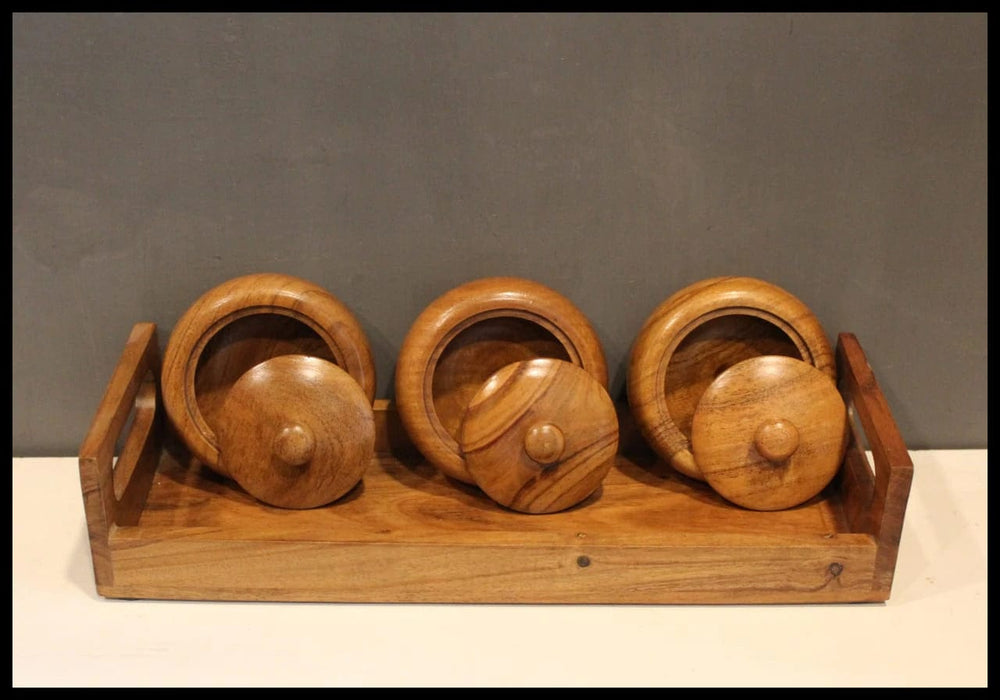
(583, 561)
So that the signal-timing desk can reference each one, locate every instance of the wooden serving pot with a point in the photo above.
(732, 381)
(502, 383)
(269, 380)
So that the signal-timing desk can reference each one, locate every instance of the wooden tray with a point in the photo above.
(161, 526)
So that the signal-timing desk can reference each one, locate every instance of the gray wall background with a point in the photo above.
(389, 158)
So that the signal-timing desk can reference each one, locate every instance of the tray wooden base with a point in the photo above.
(164, 527)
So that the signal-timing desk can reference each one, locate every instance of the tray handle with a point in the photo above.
(873, 503)
(114, 492)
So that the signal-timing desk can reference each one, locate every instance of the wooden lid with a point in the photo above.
(770, 432)
(296, 431)
(540, 435)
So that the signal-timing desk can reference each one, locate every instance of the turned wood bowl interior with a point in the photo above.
(244, 343)
(476, 353)
(709, 350)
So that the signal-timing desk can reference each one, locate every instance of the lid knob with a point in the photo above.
(544, 443)
(294, 444)
(776, 440)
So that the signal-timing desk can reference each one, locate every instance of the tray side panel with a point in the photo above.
(886, 504)
(400, 573)
(114, 493)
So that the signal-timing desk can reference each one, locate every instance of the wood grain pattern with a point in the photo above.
(540, 435)
(698, 332)
(240, 323)
(406, 533)
(770, 432)
(466, 335)
(689, 572)
(296, 432)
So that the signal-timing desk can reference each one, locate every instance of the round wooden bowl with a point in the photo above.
(468, 334)
(239, 324)
(697, 334)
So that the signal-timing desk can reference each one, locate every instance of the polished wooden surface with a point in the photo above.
(296, 431)
(466, 335)
(695, 335)
(770, 432)
(408, 533)
(240, 323)
(540, 435)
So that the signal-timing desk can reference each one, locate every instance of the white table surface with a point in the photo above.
(931, 632)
